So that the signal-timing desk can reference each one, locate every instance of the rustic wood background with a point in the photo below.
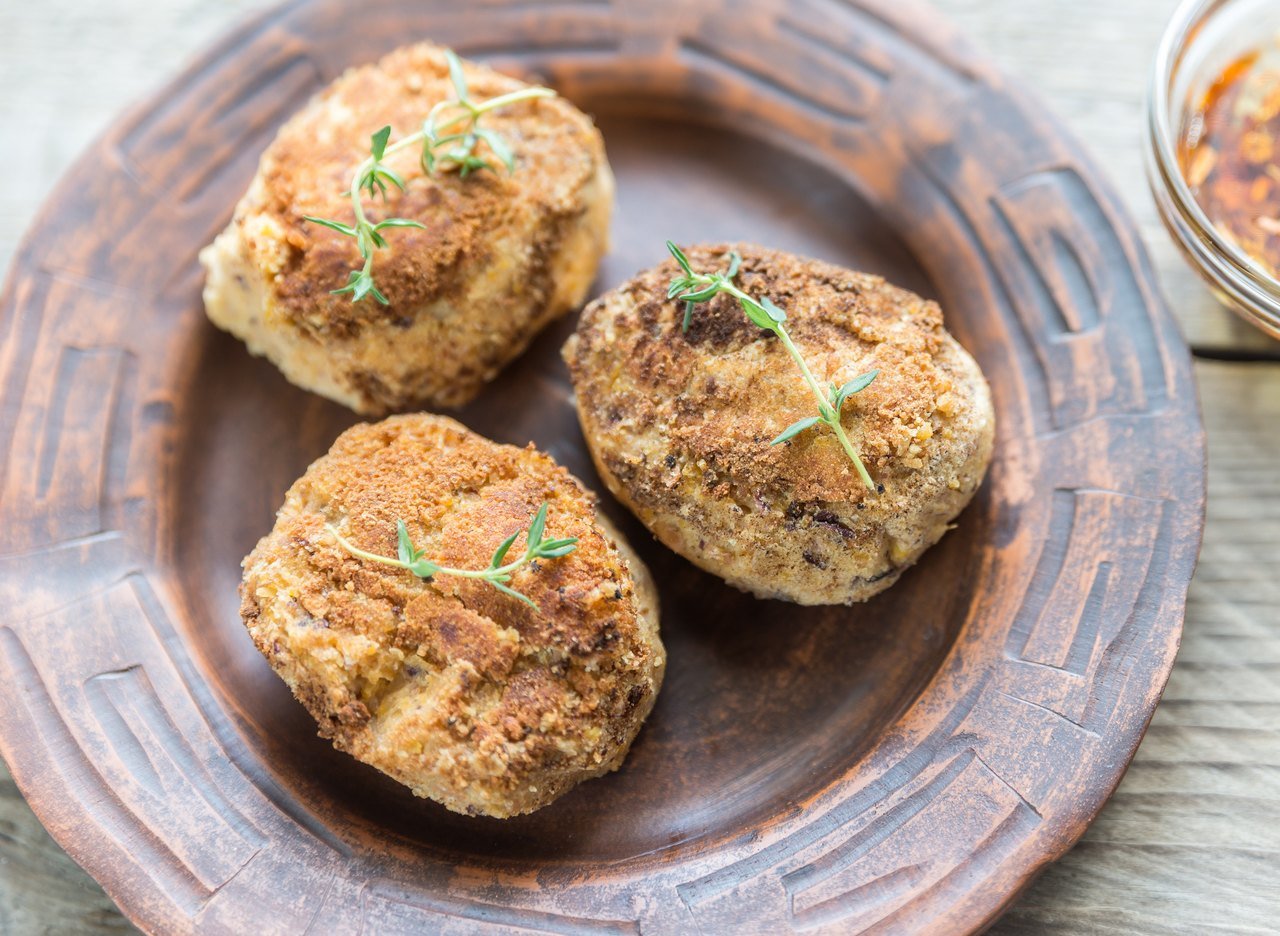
(1191, 841)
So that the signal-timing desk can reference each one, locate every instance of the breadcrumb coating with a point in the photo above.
(680, 424)
(464, 694)
(501, 255)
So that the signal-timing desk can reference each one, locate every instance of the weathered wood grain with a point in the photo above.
(1190, 842)
(41, 889)
(1119, 879)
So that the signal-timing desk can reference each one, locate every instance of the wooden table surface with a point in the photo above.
(1191, 841)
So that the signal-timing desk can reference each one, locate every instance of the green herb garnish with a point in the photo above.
(694, 287)
(449, 138)
(497, 574)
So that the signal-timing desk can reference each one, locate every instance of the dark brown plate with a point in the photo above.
(903, 766)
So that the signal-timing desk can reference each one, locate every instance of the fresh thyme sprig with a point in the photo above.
(440, 131)
(372, 175)
(497, 574)
(694, 287)
(459, 147)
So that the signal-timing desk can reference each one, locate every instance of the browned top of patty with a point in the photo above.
(308, 167)
(720, 392)
(305, 596)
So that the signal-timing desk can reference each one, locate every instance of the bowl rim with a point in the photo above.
(1218, 257)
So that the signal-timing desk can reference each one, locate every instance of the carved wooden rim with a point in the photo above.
(1088, 356)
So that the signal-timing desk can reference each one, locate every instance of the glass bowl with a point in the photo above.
(1202, 39)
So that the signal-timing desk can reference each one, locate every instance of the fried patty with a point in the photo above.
(464, 694)
(502, 253)
(680, 424)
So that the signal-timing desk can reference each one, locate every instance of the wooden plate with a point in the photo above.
(903, 766)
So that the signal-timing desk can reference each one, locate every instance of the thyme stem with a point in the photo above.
(496, 574)
(831, 418)
(695, 287)
(373, 175)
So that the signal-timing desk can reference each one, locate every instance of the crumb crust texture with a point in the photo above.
(680, 424)
(466, 695)
(501, 255)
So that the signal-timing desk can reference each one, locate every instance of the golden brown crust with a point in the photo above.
(680, 424)
(308, 167)
(500, 256)
(466, 695)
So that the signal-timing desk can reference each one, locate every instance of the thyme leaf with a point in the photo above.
(449, 138)
(693, 288)
(498, 573)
